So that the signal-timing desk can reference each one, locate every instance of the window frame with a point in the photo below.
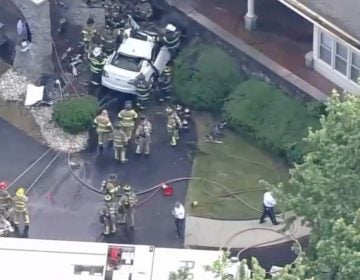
(351, 51)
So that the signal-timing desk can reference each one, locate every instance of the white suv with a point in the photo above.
(136, 54)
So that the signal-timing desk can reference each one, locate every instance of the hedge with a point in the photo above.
(204, 76)
(76, 115)
(272, 118)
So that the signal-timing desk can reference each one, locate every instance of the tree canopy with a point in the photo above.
(326, 191)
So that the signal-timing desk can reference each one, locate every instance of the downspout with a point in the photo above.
(310, 14)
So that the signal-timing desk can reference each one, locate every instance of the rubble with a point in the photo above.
(55, 136)
(13, 86)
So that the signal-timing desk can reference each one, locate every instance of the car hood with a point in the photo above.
(119, 72)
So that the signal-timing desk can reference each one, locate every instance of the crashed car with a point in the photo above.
(139, 53)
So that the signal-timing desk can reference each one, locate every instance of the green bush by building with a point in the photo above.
(271, 117)
(204, 76)
(76, 115)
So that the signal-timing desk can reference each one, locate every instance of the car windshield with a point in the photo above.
(127, 62)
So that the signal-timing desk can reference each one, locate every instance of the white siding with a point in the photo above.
(336, 60)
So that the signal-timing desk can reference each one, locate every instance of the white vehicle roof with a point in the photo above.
(136, 48)
(67, 260)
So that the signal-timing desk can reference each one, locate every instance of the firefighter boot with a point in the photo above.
(123, 158)
(113, 228)
(116, 154)
(26, 231)
(107, 230)
(173, 140)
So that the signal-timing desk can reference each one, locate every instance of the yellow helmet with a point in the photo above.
(20, 191)
(127, 188)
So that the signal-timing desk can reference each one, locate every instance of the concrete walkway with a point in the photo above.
(201, 232)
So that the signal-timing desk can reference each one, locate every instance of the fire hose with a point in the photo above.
(153, 190)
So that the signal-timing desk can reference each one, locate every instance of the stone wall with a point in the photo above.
(38, 59)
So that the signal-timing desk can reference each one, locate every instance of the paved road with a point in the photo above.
(63, 209)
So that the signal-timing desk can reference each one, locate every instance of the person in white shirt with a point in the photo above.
(179, 215)
(268, 211)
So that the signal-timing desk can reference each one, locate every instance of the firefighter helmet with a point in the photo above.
(20, 191)
(107, 198)
(127, 188)
(142, 117)
(169, 110)
(3, 186)
(97, 51)
(112, 176)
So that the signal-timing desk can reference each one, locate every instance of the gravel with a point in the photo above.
(55, 136)
(13, 88)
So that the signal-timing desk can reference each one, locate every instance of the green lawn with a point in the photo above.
(236, 164)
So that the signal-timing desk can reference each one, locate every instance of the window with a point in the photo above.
(325, 48)
(341, 58)
(355, 67)
(126, 62)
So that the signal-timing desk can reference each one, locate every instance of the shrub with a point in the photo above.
(271, 117)
(204, 76)
(76, 115)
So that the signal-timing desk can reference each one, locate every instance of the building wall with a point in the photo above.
(336, 60)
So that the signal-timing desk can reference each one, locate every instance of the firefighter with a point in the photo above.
(20, 209)
(143, 136)
(120, 143)
(164, 82)
(119, 28)
(108, 40)
(143, 10)
(108, 215)
(104, 129)
(143, 89)
(89, 32)
(127, 205)
(110, 186)
(97, 61)
(127, 118)
(173, 125)
(171, 38)
(5, 201)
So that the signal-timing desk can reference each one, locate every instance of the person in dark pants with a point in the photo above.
(28, 33)
(268, 211)
(179, 215)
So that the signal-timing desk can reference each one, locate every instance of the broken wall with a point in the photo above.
(38, 59)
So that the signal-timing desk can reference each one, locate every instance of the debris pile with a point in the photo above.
(13, 86)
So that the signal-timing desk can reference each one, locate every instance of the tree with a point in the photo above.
(181, 274)
(204, 76)
(325, 192)
(219, 267)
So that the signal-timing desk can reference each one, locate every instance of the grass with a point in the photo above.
(236, 164)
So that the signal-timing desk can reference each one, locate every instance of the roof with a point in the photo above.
(137, 48)
(344, 14)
